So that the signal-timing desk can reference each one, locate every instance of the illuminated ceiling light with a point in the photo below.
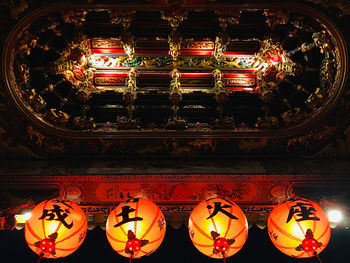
(334, 216)
(23, 217)
(27, 215)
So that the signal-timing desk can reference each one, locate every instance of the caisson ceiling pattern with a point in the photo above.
(247, 70)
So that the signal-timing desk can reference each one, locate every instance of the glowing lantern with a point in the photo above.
(135, 228)
(218, 228)
(299, 228)
(56, 228)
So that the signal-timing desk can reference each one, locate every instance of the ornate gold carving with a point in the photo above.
(175, 38)
(220, 94)
(106, 43)
(83, 95)
(188, 62)
(128, 40)
(229, 16)
(219, 91)
(316, 99)
(175, 94)
(268, 122)
(35, 100)
(221, 42)
(122, 17)
(83, 123)
(209, 45)
(328, 71)
(174, 19)
(240, 82)
(276, 17)
(57, 116)
(74, 16)
(266, 91)
(130, 92)
(294, 116)
(323, 41)
(125, 123)
(109, 81)
(174, 41)
(227, 123)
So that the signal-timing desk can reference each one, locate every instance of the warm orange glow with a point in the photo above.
(135, 228)
(291, 222)
(56, 228)
(220, 222)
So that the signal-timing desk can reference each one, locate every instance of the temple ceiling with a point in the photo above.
(214, 79)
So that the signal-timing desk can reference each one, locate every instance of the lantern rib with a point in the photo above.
(238, 247)
(42, 220)
(58, 227)
(314, 226)
(67, 249)
(144, 252)
(32, 232)
(74, 233)
(212, 219)
(240, 232)
(200, 230)
(301, 254)
(284, 232)
(154, 241)
(229, 222)
(120, 251)
(136, 214)
(116, 219)
(114, 239)
(152, 224)
(324, 232)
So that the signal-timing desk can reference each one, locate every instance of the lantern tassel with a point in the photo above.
(131, 254)
(223, 257)
(40, 257)
(318, 257)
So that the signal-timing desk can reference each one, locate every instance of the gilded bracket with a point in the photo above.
(127, 38)
(130, 92)
(175, 37)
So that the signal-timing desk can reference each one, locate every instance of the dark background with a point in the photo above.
(176, 247)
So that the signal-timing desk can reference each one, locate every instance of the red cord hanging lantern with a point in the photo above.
(218, 228)
(135, 228)
(56, 228)
(299, 228)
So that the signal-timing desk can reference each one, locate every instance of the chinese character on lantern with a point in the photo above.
(299, 228)
(56, 228)
(135, 228)
(218, 228)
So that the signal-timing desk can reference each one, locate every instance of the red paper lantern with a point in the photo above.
(218, 228)
(299, 228)
(135, 228)
(56, 228)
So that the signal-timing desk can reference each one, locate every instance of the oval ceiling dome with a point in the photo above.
(247, 70)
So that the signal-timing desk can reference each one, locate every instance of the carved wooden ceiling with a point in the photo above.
(170, 79)
(245, 70)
